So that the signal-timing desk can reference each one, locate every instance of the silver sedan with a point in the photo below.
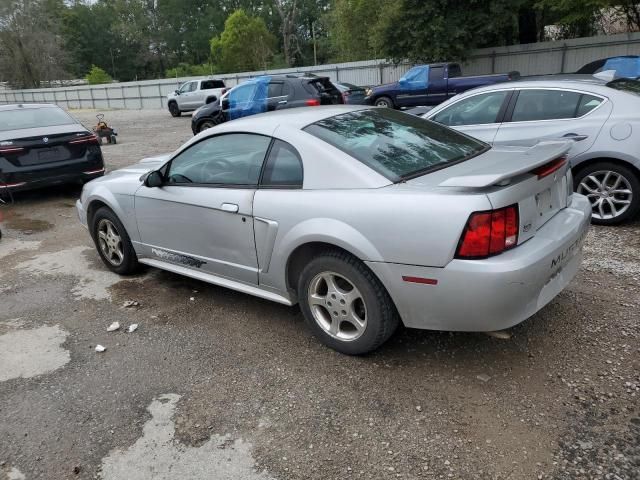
(366, 217)
(600, 116)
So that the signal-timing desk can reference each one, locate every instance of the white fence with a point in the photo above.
(530, 59)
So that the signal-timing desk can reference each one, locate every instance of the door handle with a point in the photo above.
(282, 102)
(229, 207)
(575, 137)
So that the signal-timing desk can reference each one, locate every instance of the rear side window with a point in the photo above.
(395, 144)
(545, 105)
(210, 84)
(476, 110)
(275, 89)
(436, 73)
(33, 117)
(586, 104)
(626, 85)
(455, 70)
(283, 167)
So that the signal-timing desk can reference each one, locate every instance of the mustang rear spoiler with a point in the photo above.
(505, 163)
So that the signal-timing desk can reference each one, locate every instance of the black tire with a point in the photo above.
(129, 264)
(174, 110)
(381, 316)
(582, 184)
(384, 102)
(210, 122)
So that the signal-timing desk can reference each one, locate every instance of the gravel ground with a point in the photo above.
(217, 384)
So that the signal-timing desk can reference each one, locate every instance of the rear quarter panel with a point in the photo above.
(396, 224)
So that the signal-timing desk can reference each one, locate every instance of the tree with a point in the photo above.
(244, 45)
(441, 30)
(30, 45)
(351, 25)
(96, 76)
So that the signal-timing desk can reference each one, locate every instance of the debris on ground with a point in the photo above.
(113, 327)
(483, 377)
(100, 348)
(132, 328)
(192, 299)
(130, 303)
(501, 334)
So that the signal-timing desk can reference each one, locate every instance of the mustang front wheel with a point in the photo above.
(345, 305)
(113, 243)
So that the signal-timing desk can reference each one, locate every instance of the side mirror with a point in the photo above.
(403, 82)
(177, 92)
(153, 180)
(225, 104)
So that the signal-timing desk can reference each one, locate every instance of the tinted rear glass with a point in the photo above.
(33, 117)
(626, 85)
(395, 144)
(209, 84)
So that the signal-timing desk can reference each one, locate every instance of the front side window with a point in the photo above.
(436, 73)
(188, 87)
(545, 105)
(395, 144)
(476, 110)
(232, 159)
(283, 167)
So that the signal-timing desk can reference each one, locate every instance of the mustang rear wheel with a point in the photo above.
(345, 305)
(113, 243)
(612, 189)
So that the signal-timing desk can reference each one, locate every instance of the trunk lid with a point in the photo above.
(506, 176)
(46, 148)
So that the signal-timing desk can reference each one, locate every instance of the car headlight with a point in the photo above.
(368, 92)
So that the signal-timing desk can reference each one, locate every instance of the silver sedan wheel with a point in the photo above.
(337, 306)
(609, 192)
(110, 242)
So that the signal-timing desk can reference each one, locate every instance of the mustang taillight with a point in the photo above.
(489, 233)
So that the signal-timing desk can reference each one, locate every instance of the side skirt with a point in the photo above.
(216, 280)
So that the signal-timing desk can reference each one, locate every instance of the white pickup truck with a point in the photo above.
(193, 94)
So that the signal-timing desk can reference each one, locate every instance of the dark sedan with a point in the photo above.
(351, 94)
(42, 145)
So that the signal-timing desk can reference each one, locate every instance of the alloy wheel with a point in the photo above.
(609, 192)
(110, 242)
(337, 306)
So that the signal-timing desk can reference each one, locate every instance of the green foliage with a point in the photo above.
(437, 30)
(97, 76)
(188, 70)
(352, 23)
(244, 45)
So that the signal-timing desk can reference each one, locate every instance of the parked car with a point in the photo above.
(265, 94)
(351, 94)
(429, 85)
(42, 145)
(626, 66)
(365, 216)
(193, 94)
(601, 117)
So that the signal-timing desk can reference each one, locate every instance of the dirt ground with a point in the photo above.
(220, 385)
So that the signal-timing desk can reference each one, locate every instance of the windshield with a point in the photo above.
(626, 85)
(395, 144)
(33, 117)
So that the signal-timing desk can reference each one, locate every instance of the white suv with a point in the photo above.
(193, 94)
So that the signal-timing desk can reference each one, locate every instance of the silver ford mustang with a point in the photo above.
(367, 217)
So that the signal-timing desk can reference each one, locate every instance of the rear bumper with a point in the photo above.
(19, 179)
(498, 292)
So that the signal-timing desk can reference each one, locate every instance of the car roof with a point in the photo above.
(18, 106)
(296, 118)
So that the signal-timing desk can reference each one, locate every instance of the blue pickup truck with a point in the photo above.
(429, 85)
